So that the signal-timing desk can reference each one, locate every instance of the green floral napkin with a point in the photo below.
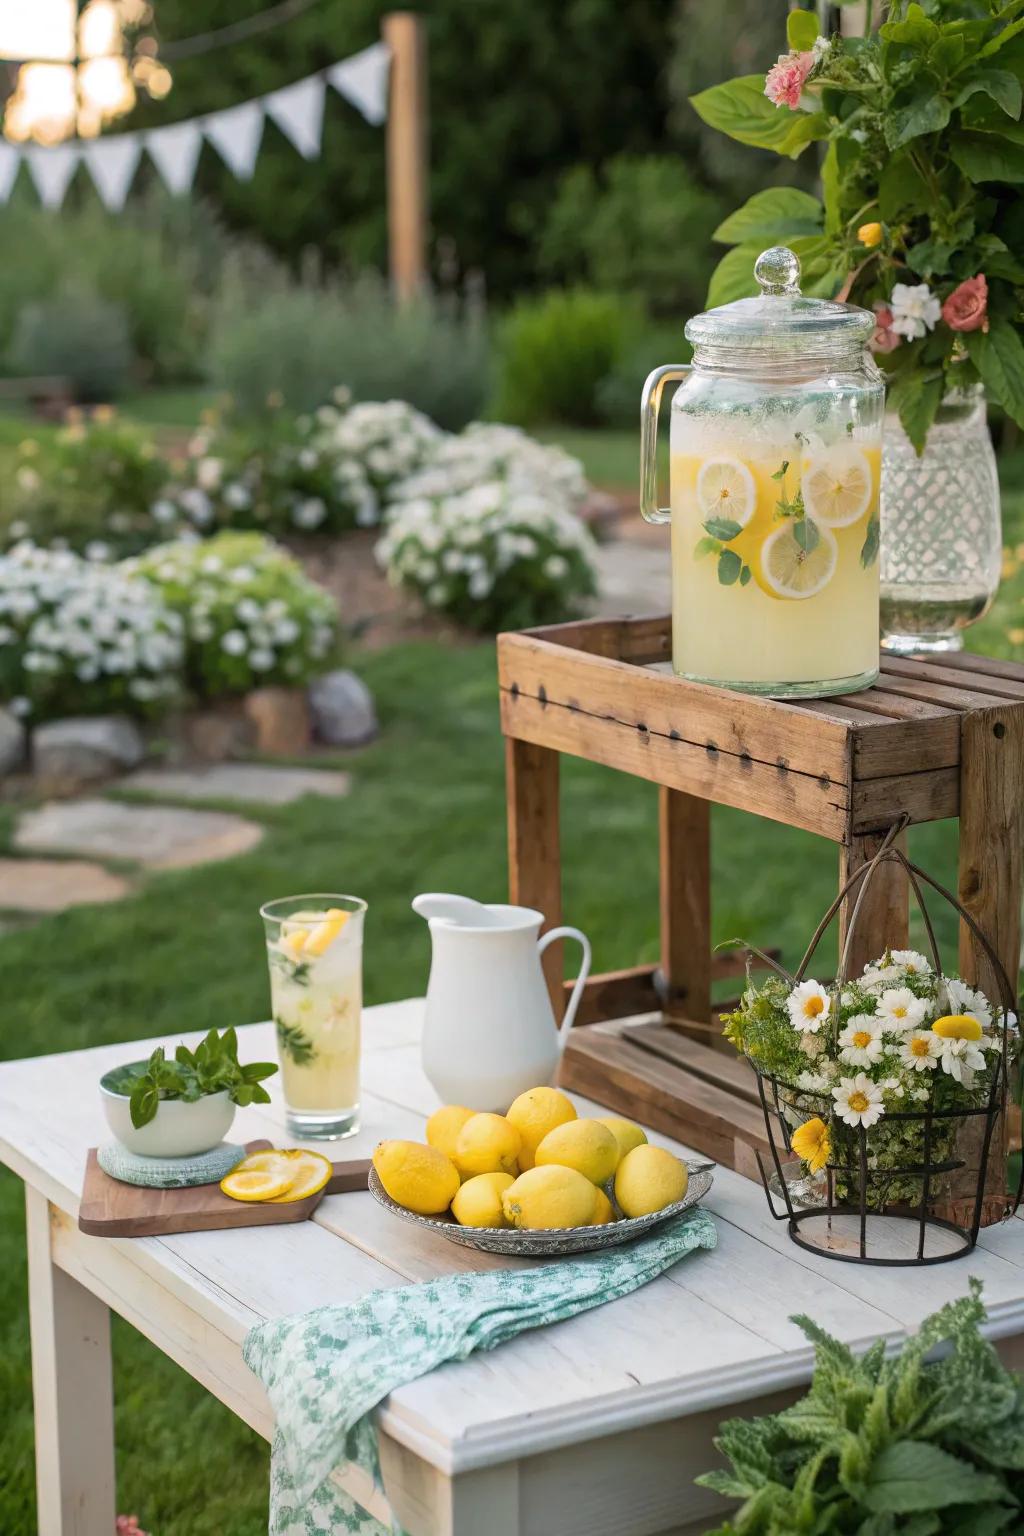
(325, 1371)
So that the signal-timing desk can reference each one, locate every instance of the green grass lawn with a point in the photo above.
(426, 813)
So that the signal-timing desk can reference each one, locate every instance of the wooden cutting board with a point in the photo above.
(110, 1208)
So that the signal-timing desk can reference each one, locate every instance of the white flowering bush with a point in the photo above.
(249, 615)
(497, 556)
(488, 451)
(898, 1041)
(81, 638)
(387, 441)
(95, 488)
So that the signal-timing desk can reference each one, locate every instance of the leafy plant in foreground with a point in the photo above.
(211, 1068)
(900, 1446)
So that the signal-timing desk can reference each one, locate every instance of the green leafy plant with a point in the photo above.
(920, 217)
(556, 351)
(213, 1067)
(926, 1442)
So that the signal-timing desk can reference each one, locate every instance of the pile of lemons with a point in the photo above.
(538, 1167)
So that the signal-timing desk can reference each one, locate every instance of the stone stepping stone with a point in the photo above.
(256, 783)
(154, 835)
(54, 885)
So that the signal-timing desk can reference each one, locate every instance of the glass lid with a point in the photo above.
(781, 320)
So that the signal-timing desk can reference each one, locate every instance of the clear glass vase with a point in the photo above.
(941, 528)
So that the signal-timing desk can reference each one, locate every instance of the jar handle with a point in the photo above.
(650, 404)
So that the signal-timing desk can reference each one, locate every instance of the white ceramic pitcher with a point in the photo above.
(490, 1030)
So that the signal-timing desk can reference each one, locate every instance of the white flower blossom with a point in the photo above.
(915, 310)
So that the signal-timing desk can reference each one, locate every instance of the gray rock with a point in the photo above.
(159, 836)
(12, 742)
(90, 747)
(342, 709)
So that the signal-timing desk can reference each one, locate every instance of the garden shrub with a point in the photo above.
(488, 533)
(79, 638)
(76, 335)
(249, 614)
(554, 352)
(640, 225)
(389, 440)
(293, 345)
(96, 487)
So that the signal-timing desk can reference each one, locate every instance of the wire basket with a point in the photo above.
(926, 1207)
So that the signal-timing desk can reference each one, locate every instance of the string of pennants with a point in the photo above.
(235, 133)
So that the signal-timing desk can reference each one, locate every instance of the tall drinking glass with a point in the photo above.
(315, 952)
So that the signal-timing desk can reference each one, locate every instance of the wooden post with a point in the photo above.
(685, 842)
(883, 919)
(534, 851)
(991, 874)
(406, 153)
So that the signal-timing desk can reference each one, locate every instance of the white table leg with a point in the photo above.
(427, 1503)
(72, 1391)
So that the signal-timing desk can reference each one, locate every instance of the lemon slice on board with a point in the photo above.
(787, 570)
(725, 489)
(837, 488)
(310, 1172)
(255, 1184)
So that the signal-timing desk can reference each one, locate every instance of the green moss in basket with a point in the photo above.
(212, 1067)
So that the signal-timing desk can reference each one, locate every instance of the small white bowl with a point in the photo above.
(177, 1129)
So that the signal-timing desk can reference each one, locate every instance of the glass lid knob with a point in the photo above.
(778, 270)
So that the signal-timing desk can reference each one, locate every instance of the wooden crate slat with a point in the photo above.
(793, 798)
(639, 641)
(959, 698)
(731, 1072)
(924, 796)
(896, 706)
(986, 686)
(733, 724)
(987, 666)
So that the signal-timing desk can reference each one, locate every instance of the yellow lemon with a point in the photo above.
(648, 1179)
(255, 1184)
(604, 1211)
(533, 1114)
(837, 487)
(444, 1126)
(478, 1202)
(625, 1132)
(785, 567)
(325, 933)
(487, 1144)
(551, 1197)
(418, 1177)
(957, 1026)
(586, 1145)
(310, 1172)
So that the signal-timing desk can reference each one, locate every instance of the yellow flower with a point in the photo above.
(870, 235)
(103, 414)
(811, 1144)
(1015, 636)
(957, 1026)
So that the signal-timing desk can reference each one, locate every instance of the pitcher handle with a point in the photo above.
(581, 980)
(650, 404)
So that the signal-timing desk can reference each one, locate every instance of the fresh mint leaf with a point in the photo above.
(805, 532)
(729, 567)
(298, 1046)
(723, 528)
(909, 1476)
(801, 30)
(745, 575)
(773, 216)
(706, 546)
(144, 1102)
(869, 549)
(780, 473)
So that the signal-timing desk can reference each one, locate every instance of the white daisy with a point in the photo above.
(860, 1043)
(965, 999)
(921, 1050)
(858, 1101)
(900, 1009)
(910, 960)
(961, 1059)
(877, 977)
(808, 1006)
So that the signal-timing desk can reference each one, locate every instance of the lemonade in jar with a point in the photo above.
(775, 467)
(315, 953)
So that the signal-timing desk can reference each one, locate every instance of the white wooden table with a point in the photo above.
(593, 1427)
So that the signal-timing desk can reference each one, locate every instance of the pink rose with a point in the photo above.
(885, 338)
(966, 309)
(785, 80)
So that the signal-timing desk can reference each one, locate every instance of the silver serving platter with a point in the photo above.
(552, 1244)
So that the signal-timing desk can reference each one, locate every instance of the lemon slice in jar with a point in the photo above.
(725, 489)
(837, 488)
(786, 569)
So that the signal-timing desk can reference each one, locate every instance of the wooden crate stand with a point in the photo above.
(933, 739)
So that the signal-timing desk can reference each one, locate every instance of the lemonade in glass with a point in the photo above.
(315, 952)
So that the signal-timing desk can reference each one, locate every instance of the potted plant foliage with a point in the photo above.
(918, 126)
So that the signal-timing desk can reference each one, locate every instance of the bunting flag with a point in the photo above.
(236, 135)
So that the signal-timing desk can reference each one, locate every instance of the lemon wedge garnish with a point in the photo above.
(255, 1184)
(787, 570)
(325, 933)
(310, 1172)
(725, 489)
(837, 488)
